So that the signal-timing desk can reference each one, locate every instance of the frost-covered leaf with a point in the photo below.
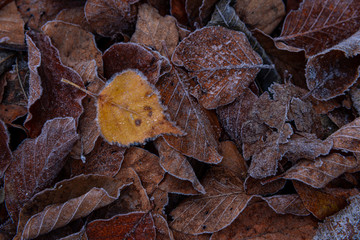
(223, 62)
(37, 162)
(5, 152)
(318, 25)
(287, 204)
(347, 138)
(224, 200)
(162, 229)
(49, 97)
(172, 184)
(75, 16)
(135, 225)
(67, 201)
(258, 187)
(200, 141)
(232, 159)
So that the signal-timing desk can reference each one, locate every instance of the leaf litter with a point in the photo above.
(240, 133)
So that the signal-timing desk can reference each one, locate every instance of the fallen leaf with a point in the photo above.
(200, 141)
(341, 116)
(232, 159)
(318, 25)
(261, 14)
(133, 56)
(287, 204)
(347, 137)
(223, 62)
(175, 185)
(75, 16)
(206, 9)
(192, 11)
(184, 236)
(111, 19)
(176, 164)
(156, 31)
(4, 3)
(177, 9)
(163, 6)
(342, 225)
(162, 229)
(11, 27)
(72, 231)
(49, 97)
(5, 152)
(37, 12)
(254, 186)
(67, 201)
(7, 59)
(37, 162)
(129, 111)
(224, 200)
(136, 225)
(331, 72)
(104, 159)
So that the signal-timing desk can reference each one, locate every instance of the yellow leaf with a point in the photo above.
(129, 111)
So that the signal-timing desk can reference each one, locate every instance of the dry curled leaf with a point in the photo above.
(129, 111)
(223, 62)
(156, 31)
(224, 200)
(200, 141)
(49, 97)
(5, 153)
(67, 201)
(135, 225)
(318, 25)
(37, 162)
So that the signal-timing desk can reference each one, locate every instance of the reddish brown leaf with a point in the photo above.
(232, 159)
(74, 15)
(5, 153)
(178, 11)
(205, 11)
(111, 18)
(105, 159)
(11, 27)
(223, 62)
(133, 56)
(257, 187)
(224, 200)
(200, 141)
(156, 31)
(136, 225)
(49, 97)
(67, 201)
(347, 138)
(318, 25)
(322, 170)
(37, 162)
(37, 12)
(176, 164)
(331, 72)
(184, 236)
(287, 204)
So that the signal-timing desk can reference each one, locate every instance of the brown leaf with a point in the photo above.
(178, 11)
(184, 236)
(156, 31)
(176, 164)
(257, 187)
(11, 27)
(49, 97)
(133, 56)
(37, 12)
(347, 137)
(200, 141)
(37, 162)
(224, 200)
(331, 72)
(175, 185)
(318, 25)
(232, 159)
(111, 19)
(223, 62)
(261, 14)
(162, 229)
(136, 225)
(323, 202)
(5, 152)
(75, 16)
(67, 201)
(287, 204)
(259, 221)
(322, 170)
(205, 11)
(105, 159)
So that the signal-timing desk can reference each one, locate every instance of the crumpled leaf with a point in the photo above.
(261, 14)
(129, 111)
(318, 25)
(200, 141)
(49, 97)
(347, 137)
(134, 56)
(111, 18)
(223, 62)
(37, 12)
(322, 170)
(156, 31)
(342, 225)
(104, 159)
(5, 152)
(37, 162)
(287, 204)
(11, 27)
(224, 200)
(135, 225)
(331, 72)
(67, 201)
